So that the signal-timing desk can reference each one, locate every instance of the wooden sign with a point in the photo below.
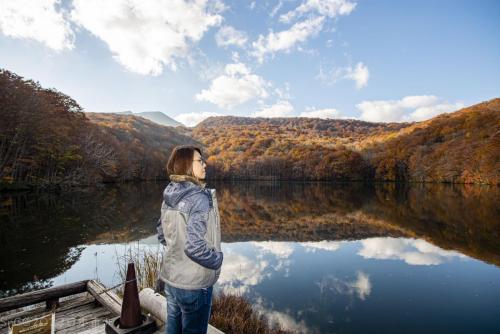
(42, 325)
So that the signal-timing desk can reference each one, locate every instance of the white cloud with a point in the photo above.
(359, 74)
(283, 320)
(412, 251)
(145, 36)
(236, 86)
(239, 273)
(330, 246)
(40, 20)
(361, 286)
(282, 108)
(327, 113)
(281, 250)
(227, 35)
(193, 118)
(424, 113)
(330, 8)
(407, 109)
(287, 39)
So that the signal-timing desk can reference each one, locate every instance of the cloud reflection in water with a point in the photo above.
(412, 251)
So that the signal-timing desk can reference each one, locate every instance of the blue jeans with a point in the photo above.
(188, 311)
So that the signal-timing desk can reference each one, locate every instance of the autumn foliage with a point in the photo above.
(46, 139)
(288, 148)
(459, 147)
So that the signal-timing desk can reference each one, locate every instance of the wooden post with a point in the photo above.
(52, 303)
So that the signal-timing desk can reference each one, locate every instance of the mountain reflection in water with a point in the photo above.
(315, 257)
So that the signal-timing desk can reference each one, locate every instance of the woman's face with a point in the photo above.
(198, 166)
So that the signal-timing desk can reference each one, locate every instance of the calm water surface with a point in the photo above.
(315, 257)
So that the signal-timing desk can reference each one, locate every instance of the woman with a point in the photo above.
(189, 226)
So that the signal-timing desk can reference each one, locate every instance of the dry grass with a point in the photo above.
(147, 267)
(234, 314)
(230, 313)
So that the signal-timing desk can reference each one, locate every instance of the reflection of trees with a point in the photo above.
(298, 212)
(40, 234)
(463, 218)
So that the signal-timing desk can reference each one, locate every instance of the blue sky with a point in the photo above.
(372, 60)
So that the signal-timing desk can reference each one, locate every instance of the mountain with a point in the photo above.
(142, 146)
(46, 139)
(155, 116)
(459, 147)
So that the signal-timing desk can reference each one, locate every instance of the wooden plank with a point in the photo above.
(78, 322)
(108, 299)
(66, 305)
(98, 321)
(96, 330)
(73, 314)
(38, 296)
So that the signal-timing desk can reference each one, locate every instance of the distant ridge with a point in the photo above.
(456, 147)
(154, 116)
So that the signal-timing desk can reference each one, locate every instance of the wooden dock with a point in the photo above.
(80, 307)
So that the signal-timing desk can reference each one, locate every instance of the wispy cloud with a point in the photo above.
(276, 8)
(359, 74)
(330, 8)
(286, 40)
(227, 36)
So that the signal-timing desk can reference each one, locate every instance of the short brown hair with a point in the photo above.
(181, 160)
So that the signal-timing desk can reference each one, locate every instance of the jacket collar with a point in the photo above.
(184, 178)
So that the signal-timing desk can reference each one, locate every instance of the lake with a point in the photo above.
(315, 257)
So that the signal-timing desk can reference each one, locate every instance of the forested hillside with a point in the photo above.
(462, 147)
(46, 139)
(142, 147)
(291, 148)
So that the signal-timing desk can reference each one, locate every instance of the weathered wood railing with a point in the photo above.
(49, 295)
